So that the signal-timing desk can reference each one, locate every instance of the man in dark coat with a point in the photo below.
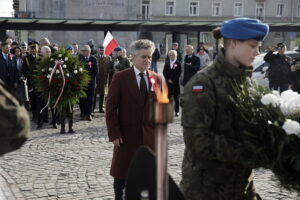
(8, 68)
(172, 71)
(155, 58)
(191, 64)
(280, 68)
(29, 65)
(127, 111)
(86, 104)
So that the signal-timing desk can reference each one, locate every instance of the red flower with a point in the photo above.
(78, 88)
(54, 80)
(75, 83)
(41, 76)
(81, 78)
(67, 80)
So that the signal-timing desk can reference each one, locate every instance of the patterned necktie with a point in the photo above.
(143, 87)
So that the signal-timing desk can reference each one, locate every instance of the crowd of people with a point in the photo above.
(213, 158)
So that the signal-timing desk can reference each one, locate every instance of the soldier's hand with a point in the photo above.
(117, 142)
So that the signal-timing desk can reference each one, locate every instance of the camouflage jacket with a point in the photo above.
(14, 121)
(119, 63)
(210, 128)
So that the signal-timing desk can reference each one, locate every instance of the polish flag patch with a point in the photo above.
(197, 88)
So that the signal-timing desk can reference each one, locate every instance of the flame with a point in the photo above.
(162, 92)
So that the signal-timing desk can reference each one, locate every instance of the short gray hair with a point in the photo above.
(137, 45)
(45, 48)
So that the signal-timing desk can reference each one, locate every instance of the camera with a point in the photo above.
(295, 60)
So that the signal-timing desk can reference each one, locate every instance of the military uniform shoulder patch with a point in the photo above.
(197, 88)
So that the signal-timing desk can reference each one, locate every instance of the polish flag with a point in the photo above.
(109, 43)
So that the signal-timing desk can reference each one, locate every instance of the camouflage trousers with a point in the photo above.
(218, 184)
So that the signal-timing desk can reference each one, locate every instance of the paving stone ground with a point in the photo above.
(76, 166)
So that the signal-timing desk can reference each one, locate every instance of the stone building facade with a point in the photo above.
(214, 11)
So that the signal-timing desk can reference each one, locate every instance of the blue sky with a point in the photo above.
(6, 8)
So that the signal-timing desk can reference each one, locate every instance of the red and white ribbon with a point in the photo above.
(58, 66)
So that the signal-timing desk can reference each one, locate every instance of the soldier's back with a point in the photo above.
(14, 121)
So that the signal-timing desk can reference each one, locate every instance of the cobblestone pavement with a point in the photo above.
(76, 166)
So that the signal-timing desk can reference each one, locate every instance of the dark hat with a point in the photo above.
(101, 47)
(15, 43)
(280, 45)
(118, 49)
(244, 29)
(175, 43)
(33, 44)
(23, 44)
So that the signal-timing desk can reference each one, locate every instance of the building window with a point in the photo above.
(194, 9)
(260, 10)
(279, 10)
(170, 8)
(145, 9)
(238, 9)
(216, 9)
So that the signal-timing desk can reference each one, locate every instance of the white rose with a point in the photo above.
(270, 99)
(57, 71)
(291, 127)
(48, 76)
(51, 59)
(75, 71)
(59, 55)
(43, 70)
(66, 58)
(80, 69)
(50, 69)
(65, 66)
(67, 75)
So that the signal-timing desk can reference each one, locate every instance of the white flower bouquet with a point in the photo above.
(269, 130)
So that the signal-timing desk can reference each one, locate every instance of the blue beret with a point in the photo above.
(70, 48)
(244, 29)
(118, 49)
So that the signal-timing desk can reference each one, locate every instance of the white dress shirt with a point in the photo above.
(138, 77)
(172, 63)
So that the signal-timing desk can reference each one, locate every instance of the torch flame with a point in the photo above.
(162, 93)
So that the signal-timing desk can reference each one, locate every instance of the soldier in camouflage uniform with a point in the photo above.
(119, 63)
(214, 166)
(14, 121)
(104, 62)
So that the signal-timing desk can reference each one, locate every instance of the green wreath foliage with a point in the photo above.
(76, 79)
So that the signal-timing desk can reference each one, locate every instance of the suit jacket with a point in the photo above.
(191, 66)
(92, 66)
(127, 117)
(8, 70)
(172, 74)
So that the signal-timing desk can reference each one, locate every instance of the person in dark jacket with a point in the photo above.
(191, 64)
(155, 58)
(86, 104)
(8, 69)
(172, 71)
(280, 67)
(295, 73)
(214, 166)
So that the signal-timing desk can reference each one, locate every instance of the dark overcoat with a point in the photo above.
(172, 74)
(127, 117)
